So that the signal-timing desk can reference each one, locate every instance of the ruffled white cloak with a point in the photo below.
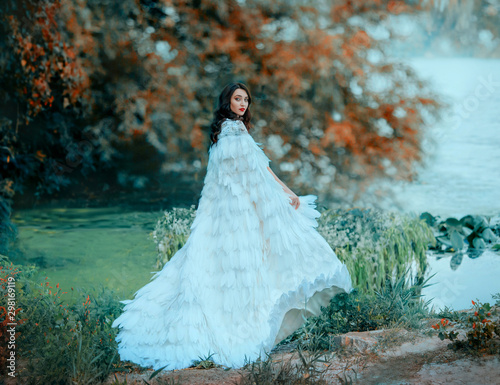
(252, 268)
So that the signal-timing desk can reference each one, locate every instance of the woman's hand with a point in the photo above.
(295, 201)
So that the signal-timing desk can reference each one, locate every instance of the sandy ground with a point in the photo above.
(387, 357)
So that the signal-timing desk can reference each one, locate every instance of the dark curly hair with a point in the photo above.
(224, 110)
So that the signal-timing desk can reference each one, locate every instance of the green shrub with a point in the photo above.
(171, 233)
(396, 305)
(479, 326)
(309, 370)
(471, 234)
(376, 245)
(63, 343)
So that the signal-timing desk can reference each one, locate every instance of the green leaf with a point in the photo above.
(444, 240)
(467, 231)
(479, 243)
(456, 240)
(156, 372)
(428, 218)
(453, 222)
(468, 221)
(488, 235)
(479, 223)
(456, 260)
(470, 238)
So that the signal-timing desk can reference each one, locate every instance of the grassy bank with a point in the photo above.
(61, 343)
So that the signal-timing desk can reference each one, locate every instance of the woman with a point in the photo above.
(252, 268)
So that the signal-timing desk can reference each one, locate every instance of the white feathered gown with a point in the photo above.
(251, 268)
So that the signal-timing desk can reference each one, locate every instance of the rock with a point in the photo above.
(361, 341)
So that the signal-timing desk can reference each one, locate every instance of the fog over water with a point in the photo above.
(462, 172)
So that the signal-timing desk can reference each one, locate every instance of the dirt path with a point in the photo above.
(393, 357)
(428, 362)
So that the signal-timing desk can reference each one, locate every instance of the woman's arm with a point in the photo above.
(295, 199)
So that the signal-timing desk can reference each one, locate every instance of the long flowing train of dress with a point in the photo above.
(252, 268)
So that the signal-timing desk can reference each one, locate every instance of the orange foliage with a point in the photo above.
(426, 101)
(197, 137)
(342, 134)
(40, 156)
(316, 149)
(300, 83)
(48, 57)
(360, 38)
(397, 6)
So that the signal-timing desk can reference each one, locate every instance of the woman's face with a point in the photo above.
(239, 102)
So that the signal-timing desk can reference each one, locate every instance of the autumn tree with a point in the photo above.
(128, 88)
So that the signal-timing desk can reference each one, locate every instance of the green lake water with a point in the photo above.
(89, 247)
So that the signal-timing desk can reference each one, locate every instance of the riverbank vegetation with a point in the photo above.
(396, 305)
(471, 235)
(480, 326)
(59, 343)
(375, 245)
(65, 335)
(56, 342)
(68, 335)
